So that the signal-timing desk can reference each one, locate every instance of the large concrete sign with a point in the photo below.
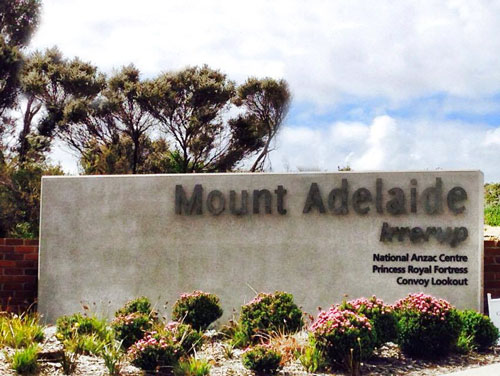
(320, 236)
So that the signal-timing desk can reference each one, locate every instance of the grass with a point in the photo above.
(192, 367)
(25, 360)
(19, 331)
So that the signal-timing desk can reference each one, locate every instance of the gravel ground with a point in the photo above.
(387, 361)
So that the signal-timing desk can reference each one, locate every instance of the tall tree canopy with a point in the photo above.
(192, 109)
(18, 20)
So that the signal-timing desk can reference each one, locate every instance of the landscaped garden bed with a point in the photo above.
(418, 335)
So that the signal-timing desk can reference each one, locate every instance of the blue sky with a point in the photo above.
(377, 85)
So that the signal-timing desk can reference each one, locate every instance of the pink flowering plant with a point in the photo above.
(268, 313)
(345, 337)
(381, 316)
(131, 328)
(155, 352)
(188, 338)
(198, 309)
(427, 327)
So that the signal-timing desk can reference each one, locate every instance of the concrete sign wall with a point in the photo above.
(319, 236)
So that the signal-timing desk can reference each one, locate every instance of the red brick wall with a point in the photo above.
(18, 273)
(491, 270)
(19, 267)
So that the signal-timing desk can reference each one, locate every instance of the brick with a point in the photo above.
(14, 256)
(18, 278)
(13, 271)
(30, 286)
(488, 260)
(7, 264)
(26, 249)
(31, 271)
(491, 284)
(28, 295)
(492, 268)
(2, 241)
(13, 241)
(6, 248)
(26, 264)
(31, 256)
(492, 252)
(490, 243)
(13, 286)
(31, 242)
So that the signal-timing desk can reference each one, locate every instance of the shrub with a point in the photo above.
(312, 358)
(262, 360)
(25, 360)
(20, 330)
(198, 309)
(380, 315)
(479, 328)
(78, 324)
(154, 351)
(428, 327)
(192, 367)
(345, 337)
(268, 313)
(492, 215)
(189, 339)
(131, 328)
(139, 305)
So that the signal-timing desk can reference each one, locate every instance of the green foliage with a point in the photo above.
(492, 215)
(345, 337)
(465, 344)
(18, 331)
(20, 197)
(78, 324)
(25, 360)
(155, 351)
(130, 328)
(266, 102)
(268, 313)
(479, 328)
(189, 339)
(262, 360)
(113, 357)
(18, 21)
(198, 309)
(312, 358)
(138, 305)
(192, 367)
(380, 315)
(427, 327)
(492, 194)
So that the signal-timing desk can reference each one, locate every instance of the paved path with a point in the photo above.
(489, 370)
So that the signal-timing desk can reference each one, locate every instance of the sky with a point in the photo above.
(377, 85)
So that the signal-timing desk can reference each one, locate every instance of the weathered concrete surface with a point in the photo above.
(111, 238)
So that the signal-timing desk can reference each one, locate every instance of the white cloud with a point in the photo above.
(390, 144)
(324, 48)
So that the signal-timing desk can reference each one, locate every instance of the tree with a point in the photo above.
(266, 102)
(54, 87)
(192, 108)
(123, 92)
(116, 158)
(18, 20)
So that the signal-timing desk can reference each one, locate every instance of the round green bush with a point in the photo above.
(154, 351)
(188, 338)
(139, 305)
(480, 328)
(198, 309)
(381, 316)
(427, 327)
(268, 313)
(345, 337)
(262, 360)
(131, 328)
